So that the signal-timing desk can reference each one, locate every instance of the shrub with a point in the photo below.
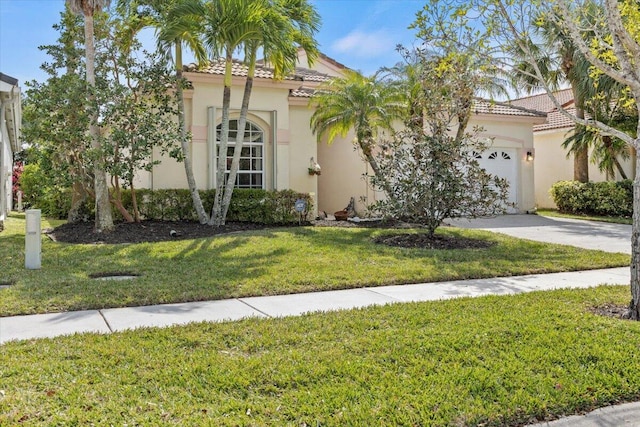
(258, 206)
(594, 198)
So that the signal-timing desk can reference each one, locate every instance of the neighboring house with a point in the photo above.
(280, 147)
(10, 121)
(551, 162)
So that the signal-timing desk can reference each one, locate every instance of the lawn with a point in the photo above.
(491, 361)
(267, 262)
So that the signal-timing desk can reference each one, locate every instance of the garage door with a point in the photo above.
(503, 163)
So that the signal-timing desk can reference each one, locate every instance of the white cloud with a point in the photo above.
(366, 44)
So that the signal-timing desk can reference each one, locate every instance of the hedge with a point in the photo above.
(247, 205)
(594, 198)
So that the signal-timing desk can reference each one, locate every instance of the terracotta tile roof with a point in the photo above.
(487, 107)
(542, 102)
(302, 92)
(239, 69)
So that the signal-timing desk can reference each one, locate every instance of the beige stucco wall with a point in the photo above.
(342, 176)
(515, 133)
(552, 165)
(343, 167)
(288, 142)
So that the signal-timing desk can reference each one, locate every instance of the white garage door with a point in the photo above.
(503, 163)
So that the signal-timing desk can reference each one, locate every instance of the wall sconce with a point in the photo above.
(314, 167)
(529, 156)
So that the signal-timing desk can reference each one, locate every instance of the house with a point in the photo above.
(552, 164)
(10, 121)
(280, 147)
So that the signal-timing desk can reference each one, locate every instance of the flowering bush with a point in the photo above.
(18, 168)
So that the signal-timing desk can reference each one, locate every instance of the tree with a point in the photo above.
(56, 115)
(177, 24)
(104, 217)
(560, 62)
(429, 172)
(428, 178)
(610, 41)
(287, 25)
(137, 113)
(276, 26)
(365, 104)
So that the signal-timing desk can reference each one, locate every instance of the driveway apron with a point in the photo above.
(583, 234)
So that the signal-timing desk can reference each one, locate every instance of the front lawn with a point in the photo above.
(491, 361)
(266, 262)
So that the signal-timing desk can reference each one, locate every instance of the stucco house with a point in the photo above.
(553, 165)
(280, 147)
(10, 121)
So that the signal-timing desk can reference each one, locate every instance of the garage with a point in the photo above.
(503, 163)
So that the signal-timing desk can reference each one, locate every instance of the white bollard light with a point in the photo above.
(32, 241)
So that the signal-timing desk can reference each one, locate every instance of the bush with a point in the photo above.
(257, 206)
(594, 198)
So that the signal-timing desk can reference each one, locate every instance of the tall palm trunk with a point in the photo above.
(104, 217)
(580, 153)
(216, 215)
(184, 141)
(634, 305)
(242, 121)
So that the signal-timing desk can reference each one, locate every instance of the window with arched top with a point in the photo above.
(251, 168)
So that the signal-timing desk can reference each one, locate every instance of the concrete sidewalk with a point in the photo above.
(119, 319)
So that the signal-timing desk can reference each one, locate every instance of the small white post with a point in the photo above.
(33, 242)
(19, 201)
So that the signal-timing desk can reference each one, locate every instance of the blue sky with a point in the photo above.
(361, 34)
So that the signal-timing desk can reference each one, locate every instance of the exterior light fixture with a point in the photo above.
(314, 167)
(529, 156)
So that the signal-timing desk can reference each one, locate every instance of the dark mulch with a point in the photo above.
(145, 231)
(158, 231)
(425, 241)
(611, 310)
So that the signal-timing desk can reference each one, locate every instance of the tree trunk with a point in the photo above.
(581, 165)
(104, 217)
(606, 140)
(216, 214)
(184, 142)
(581, 153)
(78, 198)
(634, 306)
(235, 163)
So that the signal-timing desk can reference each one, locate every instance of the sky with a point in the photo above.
(361, 34)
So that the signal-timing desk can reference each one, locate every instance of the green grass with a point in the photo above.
(558, 214)
(267, 262)
(491, 361)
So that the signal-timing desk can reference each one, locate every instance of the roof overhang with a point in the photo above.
(11, 108)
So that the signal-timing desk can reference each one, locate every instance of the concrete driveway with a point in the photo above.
(584, 234)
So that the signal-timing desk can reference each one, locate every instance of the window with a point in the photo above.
(251, 168)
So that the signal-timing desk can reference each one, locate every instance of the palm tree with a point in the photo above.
(88, 8)
(287, 25)
(227, 25)
(276, 26)
(364, 104)
(559, 60)
(177, 23)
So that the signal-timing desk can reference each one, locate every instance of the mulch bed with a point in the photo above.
(158, 231)
(611, 310)
(145, 231)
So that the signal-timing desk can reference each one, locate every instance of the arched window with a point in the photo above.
(251, 168)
